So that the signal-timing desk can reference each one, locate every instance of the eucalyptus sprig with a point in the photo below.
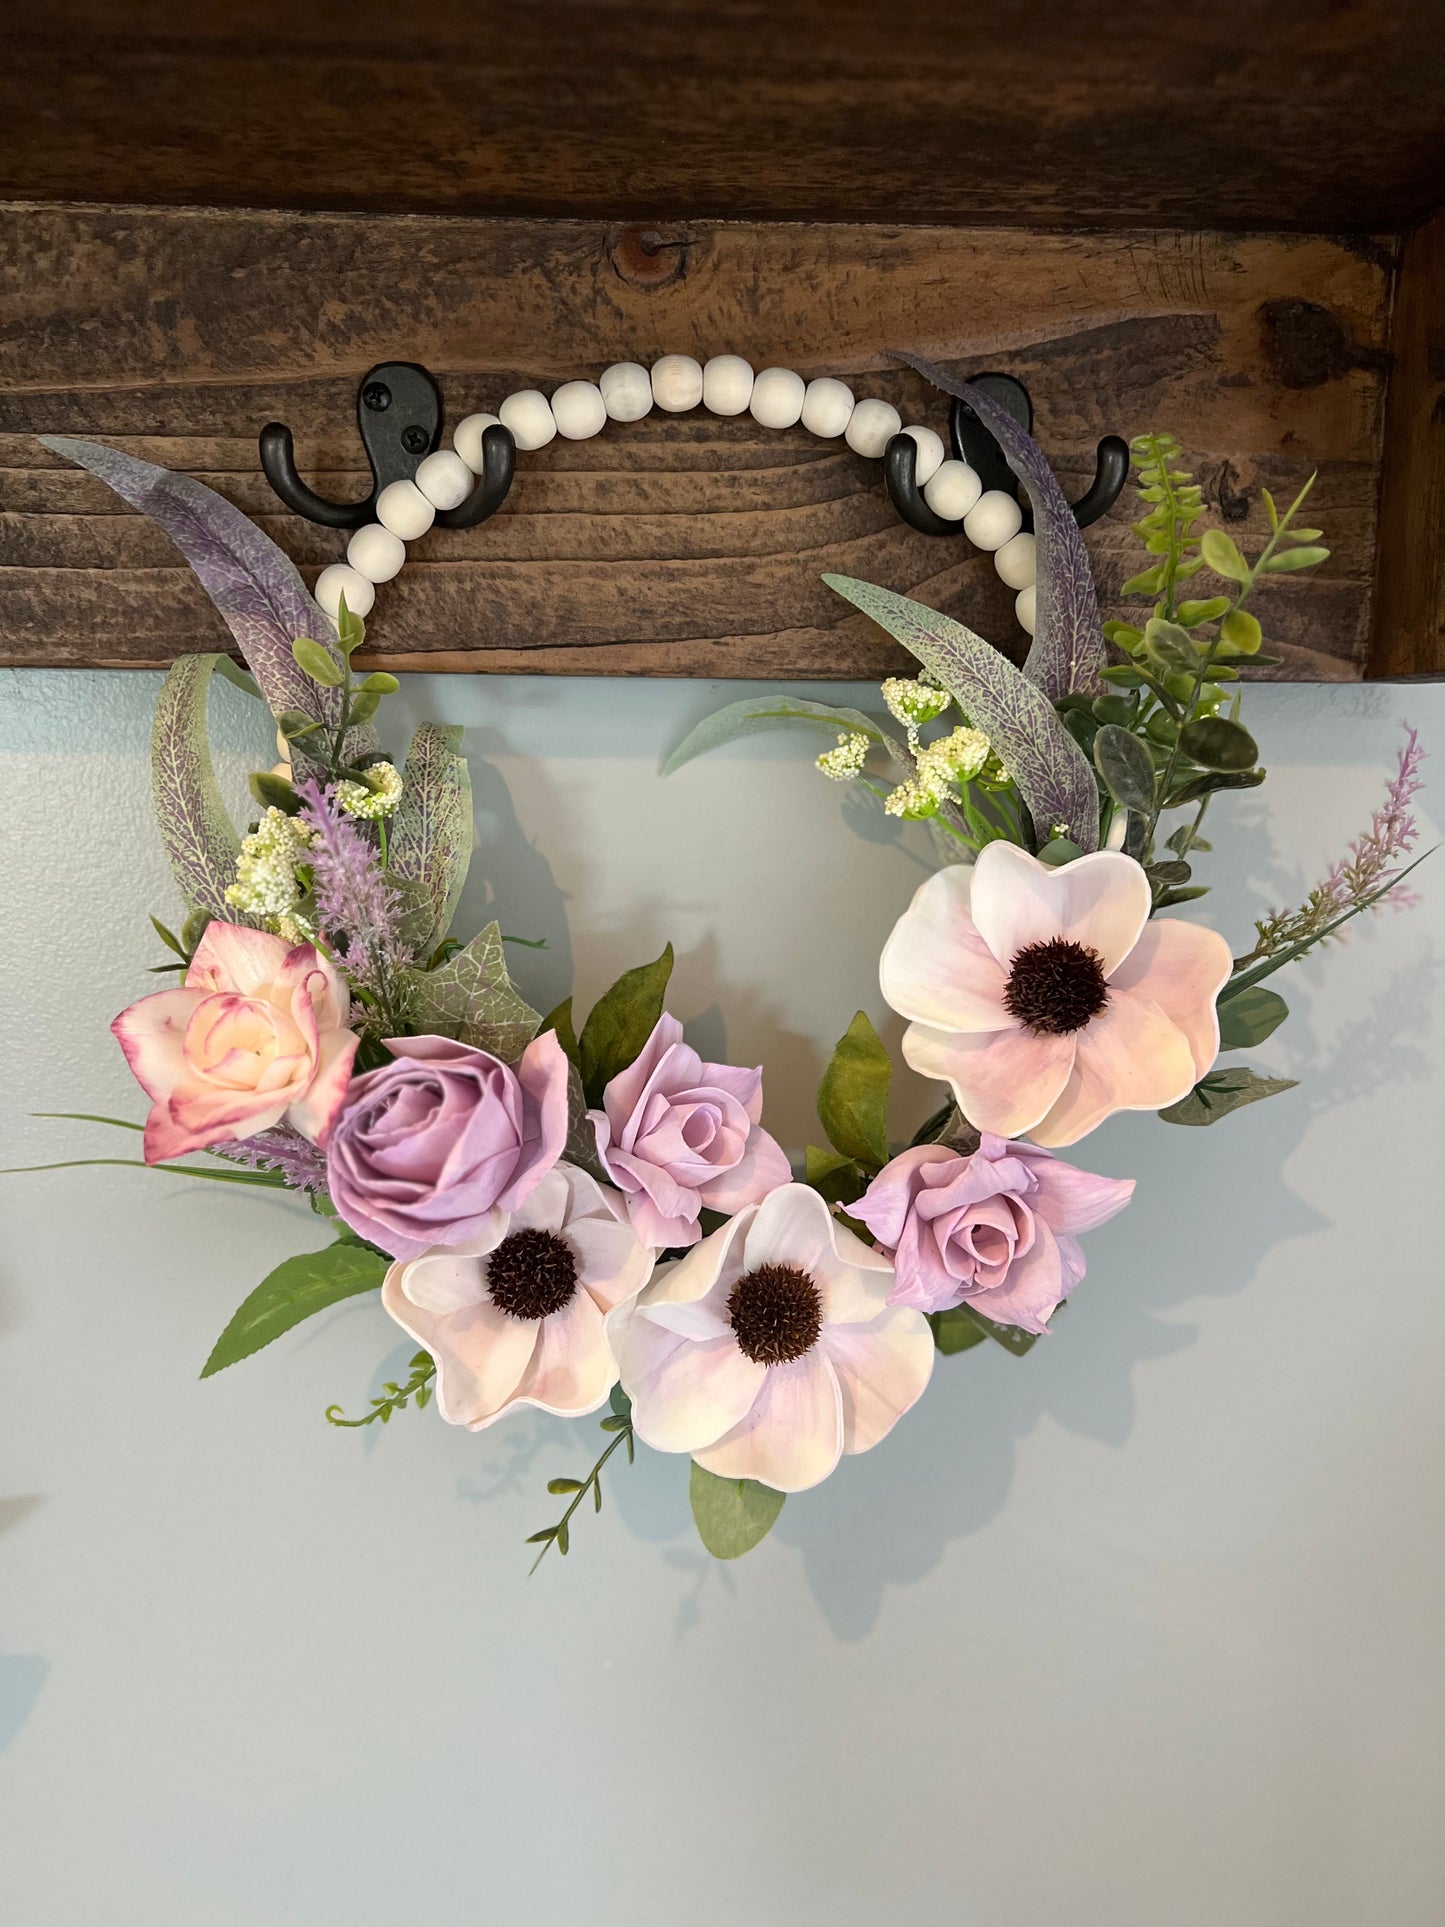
(619, 1422)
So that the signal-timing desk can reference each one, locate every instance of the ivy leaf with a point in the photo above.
(1126, 767)
(1250, 1017)
(732, 1515)
(1221, 1092)
(470, 997)
(853, 1096)
(296, 1290)
(621, 1021)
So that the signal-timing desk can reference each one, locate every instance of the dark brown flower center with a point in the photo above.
(531, 1274)
(776, 1313)
(1056, 987)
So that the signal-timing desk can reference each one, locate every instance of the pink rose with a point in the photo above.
(675, 1134)
(438, 1146)
(256, 1036)
(994, 1230)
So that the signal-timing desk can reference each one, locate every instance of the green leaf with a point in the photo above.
(1214, 742)
(619, 1401)
(1286, 561)
(239, 678)
(364, 705)
(294, 724)
(564, 1485)
(732, 1515)
(1147, 582)
(1201, 786)
(1249, 1017)
(295, 1290)
(1222, 555)
(169, 939)
(853, 1096)
(839, 1179)
(318, 663)
(620, 1023)
(379, 683)
(1126, 767)
(1241, 633)
(1058, 851)
(350, 629)
(759, 713)
(1221, 1092)
(1191, 614)
(273, 792)
(955, 1331)
(560, 1020)
(470, 997)
(1009, 1336)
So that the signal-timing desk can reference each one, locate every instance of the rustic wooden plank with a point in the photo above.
(677, 546)
(1409, 620)
(1311, 114)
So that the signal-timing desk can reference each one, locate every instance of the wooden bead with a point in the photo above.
(777, 399)
(993, 518)
(467, 439)
(579, 410)
(626, 389)
(871, 427)
(444, 479)
(376, 553)
(727, 384)
(827, 407)
(529, 415)
(931, 453)
(677, 383)
(402, 508)
(1017, 561)
(954, 489)
(342, 580)
(1025, 605)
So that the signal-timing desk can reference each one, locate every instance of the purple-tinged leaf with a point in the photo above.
(200, 840)
(1068, 647)
(1051, 771)
(254, 585)
(430, 844)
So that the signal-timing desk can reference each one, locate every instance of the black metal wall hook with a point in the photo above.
(972, 443)
(399, 413)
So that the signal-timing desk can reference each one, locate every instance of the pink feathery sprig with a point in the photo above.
(356, 908)
(301, 1163)
(1391, 836)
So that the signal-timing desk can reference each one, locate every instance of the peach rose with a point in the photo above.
(256, 1035)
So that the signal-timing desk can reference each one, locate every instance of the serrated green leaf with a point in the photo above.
(732, 1515)
(1221, 1092)
(297, 1289)
(1249, 1017)
(620, 1023)
(1126, 767)
(853, 1095)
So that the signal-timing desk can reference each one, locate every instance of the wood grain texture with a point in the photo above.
(1309, 114)
(676, 546)
(1409, 620)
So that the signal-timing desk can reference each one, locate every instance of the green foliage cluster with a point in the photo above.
(326, 747)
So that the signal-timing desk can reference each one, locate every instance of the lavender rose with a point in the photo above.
(432, 1146)
(675, 1134)
(994, 1230)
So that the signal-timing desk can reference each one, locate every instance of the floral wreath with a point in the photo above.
(590, 1218)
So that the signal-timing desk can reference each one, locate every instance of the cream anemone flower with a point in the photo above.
(517, 1315)
(1047, 997)
(771, 1349)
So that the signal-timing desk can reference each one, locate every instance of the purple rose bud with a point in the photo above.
(994, 1230)
(430, 1146)
(675, 1134)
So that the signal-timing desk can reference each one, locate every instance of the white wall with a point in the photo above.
(1140, 1631)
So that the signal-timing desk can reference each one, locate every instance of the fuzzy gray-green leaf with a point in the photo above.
(430, 844)
(200, 840)
(1223, 1091)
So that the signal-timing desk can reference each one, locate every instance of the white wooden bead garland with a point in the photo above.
(726, 385)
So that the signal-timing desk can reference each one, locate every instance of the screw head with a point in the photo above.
(376, 396)
(416, 441)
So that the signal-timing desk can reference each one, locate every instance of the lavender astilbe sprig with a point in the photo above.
(301, 1163)
(1360, 879)
(357, 911)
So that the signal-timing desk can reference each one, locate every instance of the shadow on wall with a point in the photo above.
(886, 1518)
